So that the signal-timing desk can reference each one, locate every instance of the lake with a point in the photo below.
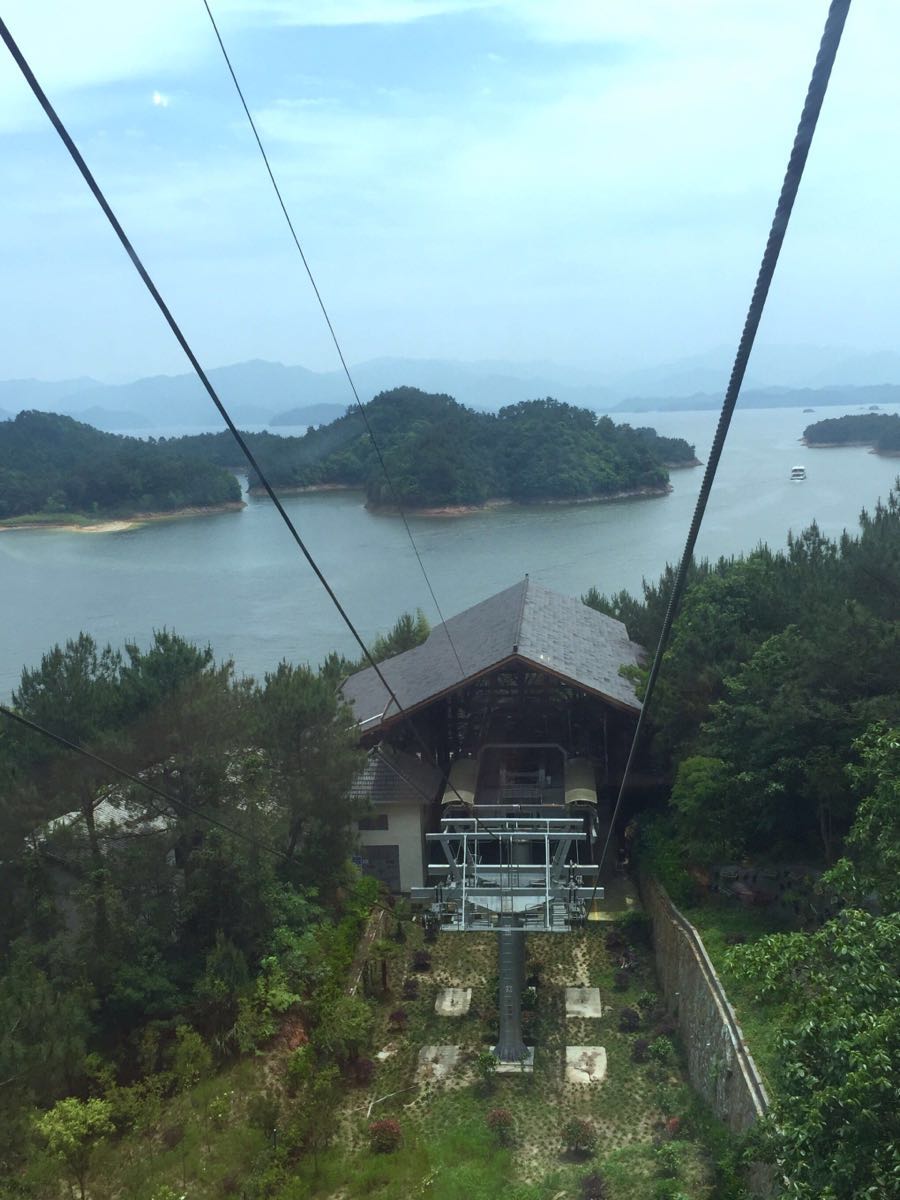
(236, 580)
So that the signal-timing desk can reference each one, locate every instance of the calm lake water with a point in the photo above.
(236, 581)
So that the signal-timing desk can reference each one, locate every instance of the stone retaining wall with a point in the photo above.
(720, 1066)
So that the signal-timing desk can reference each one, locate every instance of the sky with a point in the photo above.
(589, 183)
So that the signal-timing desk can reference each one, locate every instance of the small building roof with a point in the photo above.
(392, 777)
(528, 623)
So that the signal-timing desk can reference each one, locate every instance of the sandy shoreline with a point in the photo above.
(120, 524)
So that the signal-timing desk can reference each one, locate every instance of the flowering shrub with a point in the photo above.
(411, 989)
(421, 961)
(501, 1124)
(399, 1018)
(579, 1135)
(385, 1135)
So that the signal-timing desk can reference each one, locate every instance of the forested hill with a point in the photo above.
(438, 452)
(52, 465)
(881, 431)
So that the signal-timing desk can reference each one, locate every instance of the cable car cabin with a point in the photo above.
(516, 708)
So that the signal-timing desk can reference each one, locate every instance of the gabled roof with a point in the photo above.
(528, 623)
(392, 777)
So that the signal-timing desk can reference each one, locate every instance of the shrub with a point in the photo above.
(635, 928)
(646, 1001)
(300, 1067)
(673, 1126)
(668, 1189)
(614, 941)
(399, 1018)
(621, 981)
(529, 999)
(191, 1058)
(421, 961)
(662, 1051)
(579, 1135)
(629, 1020)
(668, 1160)
(263, 1112)
(500, 1122)
(486, 1065)
(639, 1050)
(411, 988)
(593, 1187)
(385, 1136)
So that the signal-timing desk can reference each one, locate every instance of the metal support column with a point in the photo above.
(510, 1047)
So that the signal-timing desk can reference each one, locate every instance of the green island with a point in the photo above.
(881, 431)
(441, 454)
(55, 470)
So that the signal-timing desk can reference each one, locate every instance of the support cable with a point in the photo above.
(331, 330)
(138, 265)
(818, 85)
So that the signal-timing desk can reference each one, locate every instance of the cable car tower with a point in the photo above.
(509, 875)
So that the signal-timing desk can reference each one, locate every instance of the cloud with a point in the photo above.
(159, 100)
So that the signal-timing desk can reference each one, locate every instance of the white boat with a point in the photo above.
(798, 472)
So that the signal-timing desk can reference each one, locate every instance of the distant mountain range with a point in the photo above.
(260, 393)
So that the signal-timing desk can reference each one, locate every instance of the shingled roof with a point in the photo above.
(527, 623)
(391, 777)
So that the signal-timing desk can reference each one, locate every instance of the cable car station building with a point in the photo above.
(523, 711)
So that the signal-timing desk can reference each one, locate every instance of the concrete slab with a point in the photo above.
(585, 1064)
(525, 1067)
(453, 1002)
(436, 1063)
(583, 1002)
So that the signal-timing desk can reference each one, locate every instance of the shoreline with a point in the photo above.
(301, 489)
(841, 445)
(85, 524)
(464, 510)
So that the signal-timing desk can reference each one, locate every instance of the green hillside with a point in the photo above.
(53, 466)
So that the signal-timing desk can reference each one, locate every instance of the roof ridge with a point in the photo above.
(517, 635)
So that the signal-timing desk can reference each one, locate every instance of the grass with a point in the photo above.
(200, 1144)
(719, 921)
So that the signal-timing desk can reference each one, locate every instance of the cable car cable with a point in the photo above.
(138, 265)
(818, 86)
(331, 330)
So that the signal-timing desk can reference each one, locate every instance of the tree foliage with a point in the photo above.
(835, 1124)
(51, 464)
(438, 452)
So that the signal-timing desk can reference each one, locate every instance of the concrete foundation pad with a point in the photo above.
(583, 1002)
(453, 1002)
(436, 1063)
(525, 1067)
(585, 1064)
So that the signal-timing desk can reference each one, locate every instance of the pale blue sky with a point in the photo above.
(590, 183)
